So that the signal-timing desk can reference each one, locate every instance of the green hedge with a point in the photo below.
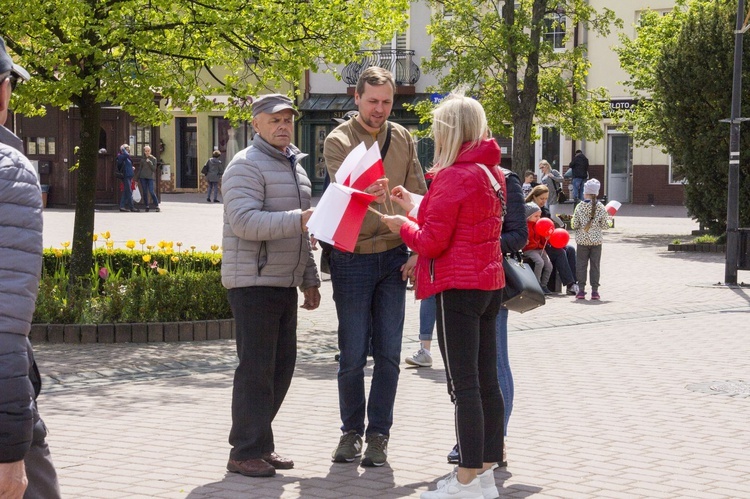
(133, 290)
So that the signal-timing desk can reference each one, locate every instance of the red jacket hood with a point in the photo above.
(486, 152)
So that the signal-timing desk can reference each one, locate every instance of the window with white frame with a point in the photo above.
(675, 178)
(554, 29)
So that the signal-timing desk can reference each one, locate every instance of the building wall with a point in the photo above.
(650, 170)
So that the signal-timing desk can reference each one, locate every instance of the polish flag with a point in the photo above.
(350, 163)
(361, 167)
(338, 216)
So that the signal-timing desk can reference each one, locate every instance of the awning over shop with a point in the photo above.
(344, 102)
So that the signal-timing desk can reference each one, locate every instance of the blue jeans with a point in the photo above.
(368, 289)
(147, 186)
(560, 258)
(427, 313)
(504, 375)
(212, 186)
(578, 188)
(126, 200)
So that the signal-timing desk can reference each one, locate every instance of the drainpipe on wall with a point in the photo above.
(306, 93)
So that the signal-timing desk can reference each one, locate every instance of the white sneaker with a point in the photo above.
(421, 358)
(487, 482)
(451, 488)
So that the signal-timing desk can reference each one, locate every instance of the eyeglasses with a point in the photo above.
(13, 80)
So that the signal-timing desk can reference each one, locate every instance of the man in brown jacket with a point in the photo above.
(369, 285)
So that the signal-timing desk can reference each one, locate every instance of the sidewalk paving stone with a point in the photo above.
(603, 405)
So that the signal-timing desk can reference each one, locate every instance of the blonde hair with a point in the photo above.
(537, 191)
(457, 120)
(544, 162)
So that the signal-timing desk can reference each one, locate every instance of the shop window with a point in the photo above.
(675, 177)
(230, 140)
(40, 146)
(139, 137)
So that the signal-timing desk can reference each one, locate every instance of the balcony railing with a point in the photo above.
(397, 61)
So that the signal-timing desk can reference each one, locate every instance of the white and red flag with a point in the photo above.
(338, 216)
(361, 167)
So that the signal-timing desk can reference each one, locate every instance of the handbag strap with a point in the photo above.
(495, 185)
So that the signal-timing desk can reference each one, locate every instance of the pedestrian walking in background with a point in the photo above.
(580, 167)
(148, 175)
(213, 170)
(457, 237)
(26, 468)
(590, 218)
(126, 172)
(369, 285)
(266, 257)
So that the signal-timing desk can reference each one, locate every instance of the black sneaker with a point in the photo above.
(376, 453)
(349, 448)
(453, 455)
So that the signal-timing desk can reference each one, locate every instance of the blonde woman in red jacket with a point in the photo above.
(457, 237)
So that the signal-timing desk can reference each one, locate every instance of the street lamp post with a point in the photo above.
(733, 184)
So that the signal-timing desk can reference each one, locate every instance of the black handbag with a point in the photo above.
(522, 291)
(561, 197)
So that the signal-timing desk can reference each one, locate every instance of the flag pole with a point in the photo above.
(374, 211)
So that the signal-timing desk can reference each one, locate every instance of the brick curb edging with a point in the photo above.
(141, 332)
(698, 248)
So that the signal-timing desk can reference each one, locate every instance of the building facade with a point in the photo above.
(629, 173)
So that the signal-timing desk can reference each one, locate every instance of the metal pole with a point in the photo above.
(733, 184)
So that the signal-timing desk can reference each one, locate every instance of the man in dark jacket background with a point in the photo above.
(125, 167)
(26, 468)
(580, 166)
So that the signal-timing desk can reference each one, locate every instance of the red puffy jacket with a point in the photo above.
(535, 240)
(457, 234)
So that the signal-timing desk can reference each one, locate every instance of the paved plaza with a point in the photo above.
(643, 394)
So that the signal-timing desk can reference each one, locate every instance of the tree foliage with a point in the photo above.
(139, 54)
(497, 53)
(680, 66)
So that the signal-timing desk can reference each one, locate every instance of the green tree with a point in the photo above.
(141, 54)
(680, 67)
(499, 52)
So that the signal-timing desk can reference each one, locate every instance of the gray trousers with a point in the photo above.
(39, 468)
(588, 257)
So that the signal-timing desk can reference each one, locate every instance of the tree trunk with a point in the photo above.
(81, 259)
(522, 126)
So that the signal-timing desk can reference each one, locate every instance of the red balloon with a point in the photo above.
(559, 238)
(544, 227)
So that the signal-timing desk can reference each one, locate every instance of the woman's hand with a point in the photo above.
(394, 222)
(402, 197)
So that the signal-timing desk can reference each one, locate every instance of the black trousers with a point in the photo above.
(468, 344)
(266, 328)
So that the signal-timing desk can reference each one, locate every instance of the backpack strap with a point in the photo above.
(387, 142)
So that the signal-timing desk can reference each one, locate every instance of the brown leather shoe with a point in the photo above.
(251, 467)
(278, 462)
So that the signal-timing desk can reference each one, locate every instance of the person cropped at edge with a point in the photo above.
(267, 255)
(125, 166)
(580, 167)
(26, 468)
(213, 170)
(369, 285)
(457, 237)
(147, 176)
